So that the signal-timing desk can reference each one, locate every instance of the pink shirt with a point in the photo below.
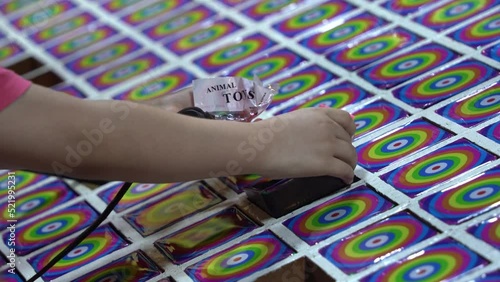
(12, 86)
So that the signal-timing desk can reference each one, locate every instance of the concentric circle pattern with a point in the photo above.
(40, 16)
(492, 132)
(226, 56)
(117, 5)
(481, 32)
(466, 201)
(408, 65)
(488, 231)
(50, 228)
(376, 115)
(338, 214)
(371, 49)
(444, 84)
(269, 65)
(266, 8)
(62, 28)
(247, 257)
(405, 7)
(382, 239)
(158, 87)
(103, 56)
(201, 37)
(437, 167)
(453, 13)
(125, 71)
(402, 142)
(136, 194)
(301, 82)
(22, 180)
(442, 261)
(474, 109)
(337, 96)
(152, 11)
(312, 17)
(99, 243)
(323, 41)
(9, 51)
(36, 202)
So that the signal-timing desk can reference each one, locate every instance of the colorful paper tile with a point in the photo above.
(376, 115)
(488, 231)
(202, 37)
(225, 56)
(467, 200)
(480, 32)
(35, 202)
(196, 239)
(405, 7)
(493, 52)
(136, 194)
(380, 240)
(492, 132)
(338, 96)
(445, 83)
(453, 13)
(41, 15)
(137, 267)
(63, 27)
(7, 276)
(399, 143)
(233, 3)
(9, 51)
(437, 167)
(159, 86)
(114, 6)
(403, 67)
(328, 39)
(359, 54)
(301, 82)
(263, 9)
(81, 41)
(126, 70)
(152, 11)
(442, 261)
(103, 56)
(71, 90)
(313, 17)
(9, 7)
(469, 111)
(174, 25)
(101, 242)
(251, 255)
(22, 179)
(174, 207)
(337, 214)
(52, 227)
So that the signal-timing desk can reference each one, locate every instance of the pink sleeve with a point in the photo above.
(12, 86)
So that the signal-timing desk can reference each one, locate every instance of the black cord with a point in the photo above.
(85, 233)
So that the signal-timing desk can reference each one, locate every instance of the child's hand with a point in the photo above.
(308, 142)
(174, 102)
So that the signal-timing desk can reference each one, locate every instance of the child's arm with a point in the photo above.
(174, 102)
(51, 132)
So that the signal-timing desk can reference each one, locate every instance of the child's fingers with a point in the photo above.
(341, 134)
(346, 152)
(343, 118)
(340, 169)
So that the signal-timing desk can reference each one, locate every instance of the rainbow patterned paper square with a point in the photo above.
(442, 261)
(172, 208)
(6, 276)
(126, 70)
(465, 201)
(315, 16)
(115, 6)
(337, 214)
(405, 66)
(152, 11)
(39, 17)
(301, 82)
(137, 267)
(227, 55)
(488, 231)
(326, 40)
(444, 83)
(35, 202)
(493, 52)
(22, 179)
(101, 242)
(380, 240)
(356, 55)
(399, 143)
(136, 194)
(376, 115)
(157, 87)
(453, 13)
(9, 51)
(472, 110)
(266, 8)
(253, 254)
(52, 227)
(437, 167)
(492, 132)
(202, 236)
(9, 7)
(479, 33)
(64, 27)
(405, 7)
